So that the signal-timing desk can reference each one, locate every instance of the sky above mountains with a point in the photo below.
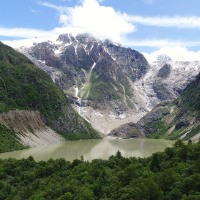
(150, 26)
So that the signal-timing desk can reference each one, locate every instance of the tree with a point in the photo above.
(150, 191)
(155, 163)
(166, 180)
(87, 195)
(118, 155)
(178, 143)
(67, 196)
(82, 158)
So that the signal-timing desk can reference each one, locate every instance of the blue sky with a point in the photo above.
(151, 26)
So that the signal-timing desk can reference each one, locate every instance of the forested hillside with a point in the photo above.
(24, 86)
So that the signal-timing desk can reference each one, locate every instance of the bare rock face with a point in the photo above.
(182, 124)
(129, 130)
(165, 71)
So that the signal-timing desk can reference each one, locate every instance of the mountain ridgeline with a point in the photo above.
(25, 87)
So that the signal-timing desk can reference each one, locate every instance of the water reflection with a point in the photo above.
(93, 149)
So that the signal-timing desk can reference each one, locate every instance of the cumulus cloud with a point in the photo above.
(101, 21)
(35, 36)
(104, 22)
(165, 21)
(176, 53)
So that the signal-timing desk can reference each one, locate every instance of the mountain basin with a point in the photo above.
(93, 149)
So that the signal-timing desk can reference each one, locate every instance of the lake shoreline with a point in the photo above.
(93, 149)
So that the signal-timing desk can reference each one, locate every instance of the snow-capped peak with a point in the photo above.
(162, 58)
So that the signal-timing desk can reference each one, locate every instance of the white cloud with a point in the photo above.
(159, 43)
(24, 42)
(150, 1)
(26, 32)
(35, 35)
(165, 21)
(33, 11)
(101, 21)
(61, 9)
(176, 53)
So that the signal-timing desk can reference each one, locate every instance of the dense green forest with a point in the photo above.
(24, 86)
(169, 175)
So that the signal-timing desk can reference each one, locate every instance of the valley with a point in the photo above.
(99, 100)
(107, 84)
(95, 73)
(107, 91)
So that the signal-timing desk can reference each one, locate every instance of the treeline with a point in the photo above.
(169, 175)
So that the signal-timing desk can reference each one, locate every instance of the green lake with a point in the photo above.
(93, 149)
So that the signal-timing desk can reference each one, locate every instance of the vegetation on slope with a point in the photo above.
(169, 175)
(24, 86)
(190, 98)
(9, 140)
(101, 88)
(108, 83)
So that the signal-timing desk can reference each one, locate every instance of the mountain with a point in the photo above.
(108, 84)
(33, 109)
(165, 80)
(178, 119)
(162, 58)
(96, 75)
